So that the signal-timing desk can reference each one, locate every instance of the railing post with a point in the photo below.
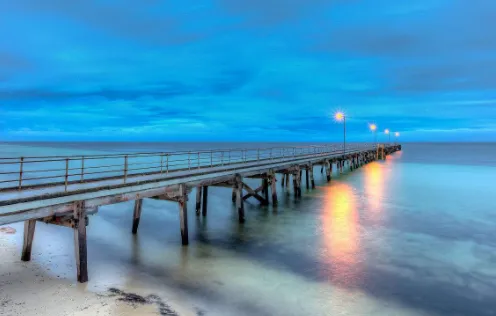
(167, 164)
(258, 154)
(21, 166)
(82, 169)
(198, 160)
(189, 160)
(161, 163)
(66, 173)
(221, 158)
(125, 168)
(229, 157)
(211, 159)
(271, 153)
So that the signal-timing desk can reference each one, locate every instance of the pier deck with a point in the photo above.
(65, 190)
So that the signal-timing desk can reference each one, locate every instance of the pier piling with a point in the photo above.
(183, 213)
(205, 200)
(137, 214)
(29, 228)
(80, 241)
(198, 199)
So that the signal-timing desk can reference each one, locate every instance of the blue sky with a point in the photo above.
(247, 70)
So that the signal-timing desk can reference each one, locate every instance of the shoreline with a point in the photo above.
(28, 288)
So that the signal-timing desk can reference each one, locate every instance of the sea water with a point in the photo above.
(412, 235)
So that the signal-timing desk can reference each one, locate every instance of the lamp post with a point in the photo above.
(386, 131)
(373, 128)
(339, 116)
(396, 135)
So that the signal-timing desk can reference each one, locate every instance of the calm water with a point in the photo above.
(413, 235)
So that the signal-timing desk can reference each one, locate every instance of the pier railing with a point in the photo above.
(27, 172)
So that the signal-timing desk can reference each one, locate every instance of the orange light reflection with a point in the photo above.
(341, 236)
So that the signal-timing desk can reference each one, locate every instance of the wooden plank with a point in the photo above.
(20, 211)
(29, 228)
(80, 242)
(138, 204)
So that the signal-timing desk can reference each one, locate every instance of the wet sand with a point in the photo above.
(29, 288)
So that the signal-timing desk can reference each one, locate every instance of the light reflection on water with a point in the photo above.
(341, 234)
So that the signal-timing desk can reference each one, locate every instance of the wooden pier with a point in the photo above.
(65, 190)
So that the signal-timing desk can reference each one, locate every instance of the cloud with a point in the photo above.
(132, 20)
(244, 69)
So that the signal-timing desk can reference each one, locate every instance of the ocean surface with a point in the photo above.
(412, 235)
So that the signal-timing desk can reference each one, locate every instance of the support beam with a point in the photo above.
(137, 214)
(29, 227)
(283, 179)
(287, 180)
(80, 241)
(239, 198)
(183, 214)
(198, 199)
(205, 200)
(254, 193)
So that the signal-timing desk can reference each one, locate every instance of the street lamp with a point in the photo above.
(373, 128)
(386, 131)
(340, 117)
(397, 134)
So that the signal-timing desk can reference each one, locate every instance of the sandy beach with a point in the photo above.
(28, 288)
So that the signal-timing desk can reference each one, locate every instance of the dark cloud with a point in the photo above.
(109, 94)
(130, 21)
(271, 12)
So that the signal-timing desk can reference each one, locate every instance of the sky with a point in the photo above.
(246, 70)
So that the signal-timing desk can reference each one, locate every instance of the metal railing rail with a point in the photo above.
(28, 172)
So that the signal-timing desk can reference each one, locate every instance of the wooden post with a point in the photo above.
(183, 214)
(328, 167)
(287, 180)
(137, 214)
(273, 188)
(283, 179)
(311, 176)
(239, 199)
(306, 178)
(234, 193)
(80, 241)
(266, 188)
(297, 183)
(198, 199)
(205, 200)
(295, 187)
(29, 227)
